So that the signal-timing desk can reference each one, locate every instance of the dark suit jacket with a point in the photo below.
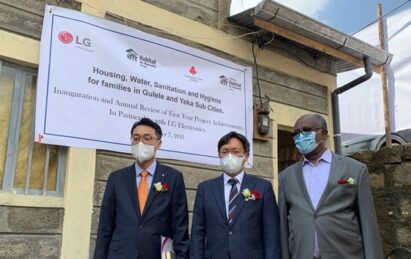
(344, 219)
(254, 232)
(124, 233)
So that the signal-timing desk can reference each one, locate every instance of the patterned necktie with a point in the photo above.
(142, 190)
(232, 201)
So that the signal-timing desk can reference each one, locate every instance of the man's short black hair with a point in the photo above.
(226, 138)
(150, 123)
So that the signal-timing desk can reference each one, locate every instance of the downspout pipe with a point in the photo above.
(334, 100)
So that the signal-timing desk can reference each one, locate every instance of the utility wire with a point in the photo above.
(390, 12)
(256, 72)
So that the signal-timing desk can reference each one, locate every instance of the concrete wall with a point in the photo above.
(390, 173)
(25, 17)
(30, 232)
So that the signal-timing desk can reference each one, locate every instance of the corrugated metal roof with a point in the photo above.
(296, 22)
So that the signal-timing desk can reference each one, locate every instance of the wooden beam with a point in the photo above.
(385, 96)
(311, 43)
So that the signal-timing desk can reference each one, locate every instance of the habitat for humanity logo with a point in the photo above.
(192, 76)
(230, 82)
(82, 43)
(144, 61)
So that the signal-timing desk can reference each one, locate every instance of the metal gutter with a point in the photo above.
(335, 104)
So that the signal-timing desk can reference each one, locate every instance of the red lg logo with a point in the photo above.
(65, 37)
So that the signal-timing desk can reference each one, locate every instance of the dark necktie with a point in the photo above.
(232, 201)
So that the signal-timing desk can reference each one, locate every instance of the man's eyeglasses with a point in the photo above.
(146, 139)
(305, 131)
(238, 153)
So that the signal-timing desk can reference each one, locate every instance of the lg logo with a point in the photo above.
(66, 38)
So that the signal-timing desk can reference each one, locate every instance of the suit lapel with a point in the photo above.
(218, 190)
(131, 185)
(159, 176)
(248, 183)
(302, 185)
(332, 178)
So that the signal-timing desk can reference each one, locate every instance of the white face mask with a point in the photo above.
(231, 164)
(142, 152)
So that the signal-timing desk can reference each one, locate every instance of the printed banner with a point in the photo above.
(96, 78)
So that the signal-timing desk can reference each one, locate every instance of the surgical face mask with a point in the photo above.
(231, 164)
(305, 142)
(142, 152)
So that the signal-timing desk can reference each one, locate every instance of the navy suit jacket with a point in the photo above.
(254, 232)
(124, 233)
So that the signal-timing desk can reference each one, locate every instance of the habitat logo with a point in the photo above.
(230, 82)
(143, 61)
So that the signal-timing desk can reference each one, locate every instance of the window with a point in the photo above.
(26, 167)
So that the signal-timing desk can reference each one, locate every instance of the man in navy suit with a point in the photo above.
(235, 215)
(143, 202)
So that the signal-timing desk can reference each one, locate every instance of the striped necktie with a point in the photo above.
(232, 200)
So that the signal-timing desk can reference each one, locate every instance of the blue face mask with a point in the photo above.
(305, 142)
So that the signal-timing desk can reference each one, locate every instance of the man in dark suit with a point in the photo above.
(326, 204)
(143, 202)
(235, 215)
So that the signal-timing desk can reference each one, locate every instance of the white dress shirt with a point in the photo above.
(151, 170)
(316, 178)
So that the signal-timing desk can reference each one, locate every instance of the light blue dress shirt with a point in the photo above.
(227, 188)
(151, 171)
(316, 178)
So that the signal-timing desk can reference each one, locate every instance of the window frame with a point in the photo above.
(16, 110)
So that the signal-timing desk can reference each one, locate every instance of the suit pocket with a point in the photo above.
(347, 234)
(115, 246)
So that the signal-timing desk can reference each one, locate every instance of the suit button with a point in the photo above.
(315, 215)
(140, 227)
(230, 233)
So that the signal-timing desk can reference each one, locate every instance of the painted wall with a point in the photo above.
(292, 87)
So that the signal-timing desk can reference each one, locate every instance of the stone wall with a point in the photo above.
(25, 17)
(390, 174)
(30, 232)
(204, 11)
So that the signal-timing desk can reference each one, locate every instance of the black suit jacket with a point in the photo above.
(254, 232)
(124, 233)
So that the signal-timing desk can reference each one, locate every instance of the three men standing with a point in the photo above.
(326, 205)
(325, 210)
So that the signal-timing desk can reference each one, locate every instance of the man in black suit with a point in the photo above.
(143, 202)
(235, 215)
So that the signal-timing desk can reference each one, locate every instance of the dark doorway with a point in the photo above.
(287, 153)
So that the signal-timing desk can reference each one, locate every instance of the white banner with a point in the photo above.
(96, 78)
